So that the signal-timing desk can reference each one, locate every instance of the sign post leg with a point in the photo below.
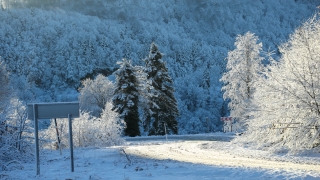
(58, 137)
(71, 143)
(35, 114)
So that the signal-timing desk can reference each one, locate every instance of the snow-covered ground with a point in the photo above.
(179, 157)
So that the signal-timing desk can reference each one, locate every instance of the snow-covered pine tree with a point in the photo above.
(161, 110)
(126, 97)
(243, 68)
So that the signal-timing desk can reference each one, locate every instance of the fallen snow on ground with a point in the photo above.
(178, 159)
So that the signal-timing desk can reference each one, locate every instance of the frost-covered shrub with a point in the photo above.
(16, 140)
(94, 94)
(13, 123)
(88, 130)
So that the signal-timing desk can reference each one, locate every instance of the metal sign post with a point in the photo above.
(53, 110)
(227, 126)
(35, 111)
(58, 136)
(71, 142)
(165, 131)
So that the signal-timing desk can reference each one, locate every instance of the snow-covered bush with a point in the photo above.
(286, 111)
(88, 130)
(16, 134)
(13, 123)
(94, 94)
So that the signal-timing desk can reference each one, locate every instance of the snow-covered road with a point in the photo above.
(194, 137)
(200, 152)
(179, 158)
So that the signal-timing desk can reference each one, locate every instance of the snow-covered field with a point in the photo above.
(179, 157)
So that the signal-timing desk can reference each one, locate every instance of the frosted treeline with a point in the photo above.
(49, 46)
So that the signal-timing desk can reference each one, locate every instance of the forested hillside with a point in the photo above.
(49, 46)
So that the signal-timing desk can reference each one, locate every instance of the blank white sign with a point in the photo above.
(54, 110)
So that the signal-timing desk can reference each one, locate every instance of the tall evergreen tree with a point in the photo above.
(161, 109)
(243, 68)
(126, 97)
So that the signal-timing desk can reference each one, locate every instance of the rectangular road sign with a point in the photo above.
(49, 111)
(54, 110)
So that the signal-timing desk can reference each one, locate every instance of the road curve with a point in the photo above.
(189, 151)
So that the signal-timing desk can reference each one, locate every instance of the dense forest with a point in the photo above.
(50, 46)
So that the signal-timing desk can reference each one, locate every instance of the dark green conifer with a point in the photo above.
(126, 98)
(161, 110)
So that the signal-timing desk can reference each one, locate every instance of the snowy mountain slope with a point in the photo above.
(53, 48)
